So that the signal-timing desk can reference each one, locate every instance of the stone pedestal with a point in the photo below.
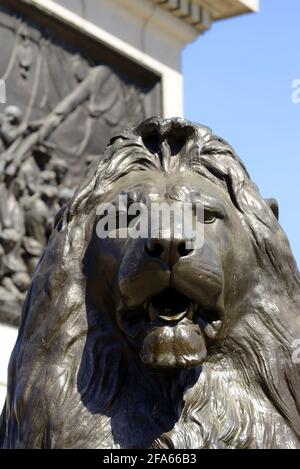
(8, 336)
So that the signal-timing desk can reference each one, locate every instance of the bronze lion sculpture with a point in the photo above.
(144, 343)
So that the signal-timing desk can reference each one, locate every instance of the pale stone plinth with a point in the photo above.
(8, 337)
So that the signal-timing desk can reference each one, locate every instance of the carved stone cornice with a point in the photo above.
(188, 11)
(201, 13)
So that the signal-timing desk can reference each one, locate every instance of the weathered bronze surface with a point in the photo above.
(128, 344)
(66, 96)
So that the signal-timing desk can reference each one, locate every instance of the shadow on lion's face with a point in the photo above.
(171, 302)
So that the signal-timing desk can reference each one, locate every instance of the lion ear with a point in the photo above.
(273, 204)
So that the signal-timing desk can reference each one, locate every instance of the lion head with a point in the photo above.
(131, 341)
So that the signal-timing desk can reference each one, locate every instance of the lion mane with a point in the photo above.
(73, 381)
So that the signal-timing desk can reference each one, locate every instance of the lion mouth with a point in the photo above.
(172, 307)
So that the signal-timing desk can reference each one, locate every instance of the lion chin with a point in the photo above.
(180, 346)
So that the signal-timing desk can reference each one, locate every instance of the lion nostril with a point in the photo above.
(154, 249)
(182, 250)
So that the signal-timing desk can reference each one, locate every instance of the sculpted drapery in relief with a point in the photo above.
(62, 108)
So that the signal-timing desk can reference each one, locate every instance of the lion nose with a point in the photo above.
(167, 250)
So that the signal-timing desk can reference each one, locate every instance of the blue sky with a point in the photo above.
(238, 81)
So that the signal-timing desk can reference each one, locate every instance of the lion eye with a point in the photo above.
(209, 216)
